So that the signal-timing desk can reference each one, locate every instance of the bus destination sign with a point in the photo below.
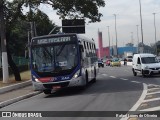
(52, 40)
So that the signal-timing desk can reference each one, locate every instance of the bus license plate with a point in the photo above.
(56, 87)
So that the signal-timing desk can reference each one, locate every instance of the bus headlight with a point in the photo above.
(76, 74)
(35, 79)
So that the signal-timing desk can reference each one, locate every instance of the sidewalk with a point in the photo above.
(14, 93)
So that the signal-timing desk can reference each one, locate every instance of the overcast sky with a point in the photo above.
(128, 16)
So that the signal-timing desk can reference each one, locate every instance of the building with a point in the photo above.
(104, 52)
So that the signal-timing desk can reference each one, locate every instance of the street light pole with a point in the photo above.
(116, 35)
(155, 34)
(141, 26)
(137, 39)
(109, 41)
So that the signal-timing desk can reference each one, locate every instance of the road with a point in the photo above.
(116, 90)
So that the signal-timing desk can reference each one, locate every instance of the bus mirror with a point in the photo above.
(81, 48)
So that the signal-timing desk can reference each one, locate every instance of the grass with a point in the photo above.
(26, 75)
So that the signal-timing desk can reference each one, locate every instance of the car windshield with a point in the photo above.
(115, 60)
(149, 60)
(54, 58)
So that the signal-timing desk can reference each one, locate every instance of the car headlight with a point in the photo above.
(76, 74)
(146, 67)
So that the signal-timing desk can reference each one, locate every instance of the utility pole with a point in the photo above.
(116, 35)
(137, 39)
(155, 34)
(3, 44)
(31, 22)
(141, 26)
(132, 41)
(109, 41)
(132, 37)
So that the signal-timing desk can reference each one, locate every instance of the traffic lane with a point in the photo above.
(107, 94)
(126, 73)
(152, 96)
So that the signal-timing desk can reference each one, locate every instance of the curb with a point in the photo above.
(15, 86)
(14, 100)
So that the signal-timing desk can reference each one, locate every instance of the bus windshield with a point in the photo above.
(54, 58)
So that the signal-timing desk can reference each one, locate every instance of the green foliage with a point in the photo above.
(69, 8)
(18, 25)
(79, 9)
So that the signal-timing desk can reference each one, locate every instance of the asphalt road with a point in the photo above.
(115, 91)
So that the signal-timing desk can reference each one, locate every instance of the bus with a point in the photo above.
(62, 60)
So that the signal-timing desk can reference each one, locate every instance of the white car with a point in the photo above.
(145, 64)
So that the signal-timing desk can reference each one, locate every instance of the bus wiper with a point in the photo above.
(62, 47)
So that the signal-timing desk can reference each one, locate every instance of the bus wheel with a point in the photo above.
(86, 78)
(86, 82)
(95, 75)
(47, 92)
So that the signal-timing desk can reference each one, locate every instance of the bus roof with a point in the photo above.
(80, 37)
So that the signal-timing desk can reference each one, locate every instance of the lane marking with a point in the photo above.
(139, 102)
(153, 85)
(141, 99)
(151, 109)
(104, 74)
(135, 81)
(143, 105)
(150, 89)
(123, 79)
(153, 93)
(112, 76)
(149, 96)
(150, 100)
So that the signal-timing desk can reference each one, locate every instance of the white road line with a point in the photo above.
(112, 76)
(153, 93)
(104, 74)
(150, 100)
(153, 89)
(138, 103)
(154, 85)
(135, 82)
(151, 109)
(123, 79)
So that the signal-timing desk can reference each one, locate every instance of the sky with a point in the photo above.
(127, 18)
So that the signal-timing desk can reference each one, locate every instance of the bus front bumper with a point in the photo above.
(61, 84)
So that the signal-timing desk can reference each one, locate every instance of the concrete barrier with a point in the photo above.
(15, 86)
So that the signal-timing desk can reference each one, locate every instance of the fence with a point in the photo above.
(20, 61)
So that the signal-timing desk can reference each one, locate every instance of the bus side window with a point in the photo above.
(84, 45)
(81, 48)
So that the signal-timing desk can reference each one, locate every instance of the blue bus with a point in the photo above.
(62, 60)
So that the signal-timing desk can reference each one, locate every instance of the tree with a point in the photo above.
(129, 44)
(70, 8)
(147, 48)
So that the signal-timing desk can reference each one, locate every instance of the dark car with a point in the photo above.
(100, 63)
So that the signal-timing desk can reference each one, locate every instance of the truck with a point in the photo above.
(128, 56)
